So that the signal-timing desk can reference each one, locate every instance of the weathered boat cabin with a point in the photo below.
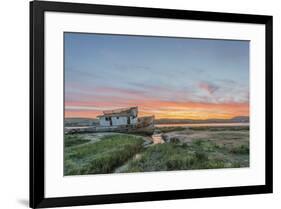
(123, 120)
(119, 117)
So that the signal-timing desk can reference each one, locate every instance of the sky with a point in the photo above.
(168, 77)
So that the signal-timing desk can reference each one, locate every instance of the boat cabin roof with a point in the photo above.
(119, 112)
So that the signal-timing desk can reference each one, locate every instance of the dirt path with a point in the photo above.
(149, 141)
(123, 167)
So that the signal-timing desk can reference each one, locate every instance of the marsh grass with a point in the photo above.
(242, 149)
(102, 156)
(74, 139)
(200, 154)
(170, 129)
(203, 148)
(220, 128)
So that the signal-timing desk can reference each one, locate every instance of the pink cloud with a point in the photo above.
(208, 87)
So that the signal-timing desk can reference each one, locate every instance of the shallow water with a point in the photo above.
(200, 124)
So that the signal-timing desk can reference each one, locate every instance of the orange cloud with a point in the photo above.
(166, 109)
(81, 114)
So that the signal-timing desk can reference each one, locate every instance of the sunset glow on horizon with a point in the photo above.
(187, 111)
(173, 78)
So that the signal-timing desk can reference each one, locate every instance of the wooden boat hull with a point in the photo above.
(145, 125)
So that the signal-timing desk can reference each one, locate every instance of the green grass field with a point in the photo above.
(197, 155)
(74, 139)
(185, 149)
(102, 156)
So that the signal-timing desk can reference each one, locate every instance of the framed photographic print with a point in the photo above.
(135, 104)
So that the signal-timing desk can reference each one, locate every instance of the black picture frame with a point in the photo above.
(37, 196)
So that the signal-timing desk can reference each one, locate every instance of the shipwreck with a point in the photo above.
(123, 120)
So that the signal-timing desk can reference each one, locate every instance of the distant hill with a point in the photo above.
(238, 119)
(241, 119)
(72, 122)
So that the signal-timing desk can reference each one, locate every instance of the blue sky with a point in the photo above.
(113, 71)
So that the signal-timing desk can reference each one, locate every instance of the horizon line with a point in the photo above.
(173, 118)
